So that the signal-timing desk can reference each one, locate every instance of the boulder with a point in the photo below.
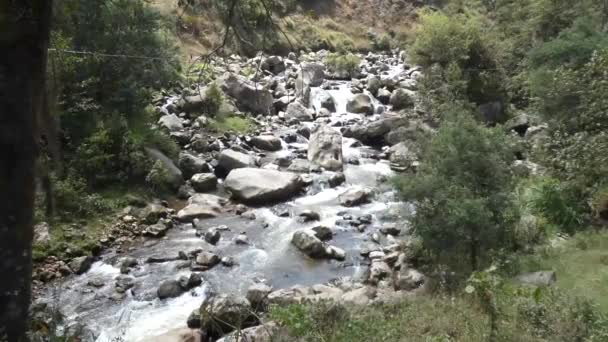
(309, 244)
(402, 99)
(266, 142)
(171, 122)
(311, 75)
(174, 177)
(169, 289)
(321, 98)
(81, 264)
(299, 165)
(257, 295)
(323, 233)
(378, 271)
(384, 96)
(297, 112)
(203, 182)
(212, 236)
(191, 165)
(325, 148)
(225, 313)
(261, 185)
(198, 103)
(156, 230)
(201, 206)
(408, 279)
(402, 156)
(249, 96)
(360, 104)
(207, 259)
(309, 215)
(273, 64)
(229, 160)
(354, 197)
(373, 133)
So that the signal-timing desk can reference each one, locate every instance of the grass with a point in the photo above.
(236, 124)
(75, 235)
(580, 263)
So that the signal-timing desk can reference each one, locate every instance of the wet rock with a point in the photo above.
(123, 283)
(201, 206)
(194, 280)
(156, 230)
(185, 191)
(261, 186)
(81, 264)
(540, 278)
(304, 131)
(127, 263)
(299, 165)
(322, 99)
(169, 289)
(266, 142)
(194, 319)
(228, 261)
(336, 179)
(312, 246)
(390, 229)
(373, 133)
(309, 215)
(212, 236)
(311, 75)
(152, 212)
(325, 148)
(225, 313)
(96, 282)
(323, 233)
(355, 197)
(160, 259)
(229, 160)
(207, 259)
(249, 96)
(384, 96)
(360, 104)
(273, 64)
(408, 279)
(171, 122)
(257, 295)
(203, 182)
(296, 112)
(241, 239)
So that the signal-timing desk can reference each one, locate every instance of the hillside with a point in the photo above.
(309, 25)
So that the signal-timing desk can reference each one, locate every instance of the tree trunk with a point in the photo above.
(24, 35)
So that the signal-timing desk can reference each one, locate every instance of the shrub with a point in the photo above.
(382, 43)
(230, 123)
(463, 193)
(344, 65)
(213, 99)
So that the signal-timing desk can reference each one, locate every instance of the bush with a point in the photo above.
(382, 43)
(230, 123)
(463, 192)
(213, 99)
(343, 65)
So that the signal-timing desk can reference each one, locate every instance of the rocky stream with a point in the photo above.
(302, 209)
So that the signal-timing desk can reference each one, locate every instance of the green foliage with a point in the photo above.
(463, 56)
(229, 123)
(343, 64)
(382, 43)
(159, 178)
(213, 99)
(464, 193)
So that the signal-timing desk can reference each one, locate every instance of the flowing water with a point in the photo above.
(269, 257)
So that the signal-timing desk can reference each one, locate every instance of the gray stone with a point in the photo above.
(355, 197)
(41, 233)
(297, 112)
(257, 295)
(225, 313)
(81, 264)
(323, 233)
(266, 142)
(171, 122)
(402, 99)
(261, 185)
(212, 236)
(229, 160)
(169, 289)
(273, 64)
(249, 96)
(207, 259)
(191, 165)
(201, 206)
(203, 182)
(325, 148)
(360, 104)
(408, 279)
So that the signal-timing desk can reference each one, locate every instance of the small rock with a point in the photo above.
(212, 236)
(169, 289)
(309, 215)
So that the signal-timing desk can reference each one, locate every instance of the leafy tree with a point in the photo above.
(463, 193)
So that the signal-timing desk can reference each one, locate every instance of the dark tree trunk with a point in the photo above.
(24, 34)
